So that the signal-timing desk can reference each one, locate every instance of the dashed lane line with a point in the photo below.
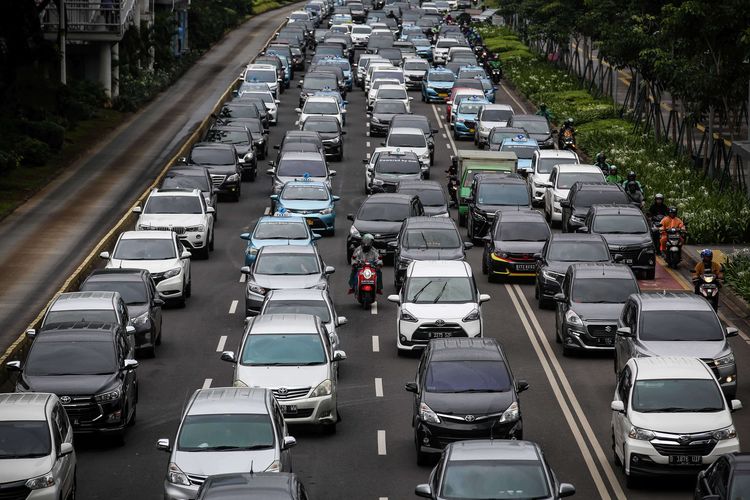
(378, 387)
(381, 442)
(207, 383)
(243, 278)
(367, 144)
(233, 307)
(374, 308)
(375, 343)
(267, 211)
(222, 343)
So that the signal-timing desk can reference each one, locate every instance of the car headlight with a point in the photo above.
(326, 211)
(375, 119)
(176, 476)
(425, 156)
(427, 415)
(45, 481)
(552, 275)
(573, 319)
(725, 433)
(335, 140)
(501, 254)
(274, 467)
(256, 289)
(172, 272)
(640, 434)
(377, 182)
(724, 360)
(323, 389)
(195, 229)
(251, 251)
(140, 320)
(472, 316)
(511, 414)
(233, 178)
(407, 316)
(403, 262)
(354, 232)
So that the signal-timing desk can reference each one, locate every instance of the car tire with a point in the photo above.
(204, 253)
(158, 338)
(252, 175)
(189, 289)
(455, 134)
(74, 488)
(422, 457)
(540, 300)
(650, 274)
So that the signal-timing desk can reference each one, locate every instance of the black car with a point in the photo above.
(253, 486)
(257, 132)
(142, 300)
(430, 193)
(589, 305)
(512, 242)
(537, 127)
(464, 389)
(221, 162)
(87, 366)
(381, 215)
(382, 113)
(330, 132)
(728, 477)
(316, 82)
(232, 110)
(389, 169)
(421, 122)
(242, 140)
(193, 177)
(491, 193)
(299, 136)
(627, 232)
(499, 134)
(584, 194)
(560, 252)
(426, 238)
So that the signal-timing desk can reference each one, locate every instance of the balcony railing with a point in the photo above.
(90, 19)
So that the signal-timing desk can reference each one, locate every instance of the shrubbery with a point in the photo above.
(737, 273)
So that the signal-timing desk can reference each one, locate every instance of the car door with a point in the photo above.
(281, 430)
(562, 307)
(128, 376)
(418, 379)
(184, 263)
(621, 341)
(620, 421)
(63, 433)
(549, 190)
(155, 308)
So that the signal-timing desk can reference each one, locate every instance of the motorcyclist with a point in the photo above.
(634, 178)
(601, 162)
(658, 209)
(613, 177)
(706, 263)
(366, 253)
(671, 221)
(543, 111)
(453, 180)
(567, 128)
(634, 194)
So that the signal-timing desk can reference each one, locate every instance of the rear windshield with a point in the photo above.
(428, 197)
(566, 180)
(522, 152)
(522, 231)
(389, 107)
(587, 198)
(431, 238)
(603, 290)
(317, 308)
(578, 251)
(313, 193)
(397, 166)
(467, 376)
(497, 115)
(442, 76)
(212, 156)
(132, 292)
(544, 165)
(533, 126)
(265, 76)
(407, 141)
(144, 249)
(186, 182)
(666, 325)
(173, 205)
(281, 231)
(619, 224)
(502, 194)
(321, 107)
(393, 75)
(228, 137)
(226, 432)
(93, 315)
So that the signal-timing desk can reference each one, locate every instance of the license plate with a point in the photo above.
(310, 222)
(439, 335)
(289, 409)
(525, 267)
(604, 341)
(628, 261)
(685, 459)
(441, 94)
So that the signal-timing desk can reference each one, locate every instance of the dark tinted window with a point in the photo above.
(321, 107)
(211, 156)
(389, 107)
(502, 194)
(68, 357)
(522, 231)
(431, 238)
(522, 152)
(315, 193)
(280, 350)
(287, 264)
(428, 197)
(566, 180)
(320, 82)
(173, 205)
(533, 126)
(578, 251)
(391, 165)
(317, 308)
(85, 316)
(499, 480)
(272, 230)
(132, 292)
(680, 325)
(26, 439)
(321, 125)
(619, 224)
(586, 198)
(383, 211)
(144, 249)
(544, 165)
(677, 395)
(186, 182)
(298, 168)
(407, 140)
(223, 432)
(467, 376)
(603, 290)
(227, 137)
(442, 76)
(497, 115)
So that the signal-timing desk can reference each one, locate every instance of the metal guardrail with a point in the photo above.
(91, 17)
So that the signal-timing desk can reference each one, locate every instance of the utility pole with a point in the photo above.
(62, 40)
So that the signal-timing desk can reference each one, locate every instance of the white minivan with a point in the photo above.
(561, 179)
(542, 162)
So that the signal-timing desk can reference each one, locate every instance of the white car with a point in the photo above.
(299, 15)
(441, 49)
(669, 416)
(542, 162)
(439, 299)
(404, 139)
(459, 96)
(374, 86)
(362, 64)
(158, 252)
(360, 35)
(262, 73)
(415, 70)
(377, 66)
(182, 211)
(271, 104)
(320, 106)
(490, 116)
(394, 92)
(561, 179)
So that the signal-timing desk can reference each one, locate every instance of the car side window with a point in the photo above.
(278, 420)
(57, 434)
(624, 384)
(719, 478)
(123, 312)
(553, 176)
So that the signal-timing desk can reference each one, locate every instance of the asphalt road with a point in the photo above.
(372, 455)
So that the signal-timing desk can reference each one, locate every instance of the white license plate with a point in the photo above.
(289, 409)
(685, 459)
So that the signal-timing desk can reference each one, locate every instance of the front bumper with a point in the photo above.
(170, 288)
(461, 129)
(417, 335)
(228, 187)
(580, 337)
(499, 266)
(332, 148)
(432, 438)
(641, 458)
(433, 95)
(319, 410)
(379, 128)
(90, 417)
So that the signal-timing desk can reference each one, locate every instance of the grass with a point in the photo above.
(259, 7)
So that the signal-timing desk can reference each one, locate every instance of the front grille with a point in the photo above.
(702, 448)
(470, 124)
(601, 330)
(217, 180)
(415, 78)
(285, 394)
(177, 229)
(521, 257)
(14, 491)
(196, 479)
(301, 413)
(428, 331)
(389, 187)
(82, 410)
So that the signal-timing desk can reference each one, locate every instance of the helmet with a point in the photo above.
(659, 196)
(569, 121)
(707, 252)
(367, 241)
(600, 156)
(672, 211)
(613, 169)
(542, 106)
(631, 175)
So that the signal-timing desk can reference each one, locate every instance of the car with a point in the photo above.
(263, 73)
(381, 215)
(361, 35)
(344, 65)
(404, 139)
(582, 196)
(727, 475)
(380, 71)
(387, 167)
(277, 230)
(182, 211)
(426, 238)
(222, 164)
(627, 233)
(676, 324)
(458, 94)
(437, 85)
(224, 430)
(430, 193)
(330, 132)
(294, 166)
(311, 200)
(281, 266)
(464, 389)
(310, 137)
(161, 254)
(138, 291)
(669, 416)
(421, 122)
(504, 465)
(499, 134)
(258, 134)
(439, 299)
(423, 48)
(589, 305)
(442, 48)
(415, 70)
(392, 54)
(362, 63)
(94, 306)
(524, 147)
(291, 355)
(89, 366)
(39, 461)
(542, 162)
(490, 193)
(537, 127)
(233, 112)
(271, 104)
(253, 486)
(314, 82)
(375, 86)
(320, 106)
(511, 244)
(465, 121)
(396, 92)
(382, 113)
(558, 254)
(195, 177)
(489, 117)
(561, 179)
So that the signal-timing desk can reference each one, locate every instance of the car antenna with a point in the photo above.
(492, 429)
(251, 467)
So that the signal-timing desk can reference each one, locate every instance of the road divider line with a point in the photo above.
(233, 307)
(518, 103)
(381, 442)
(445, 136)
(267, 211)
(222, 343)
(447, 145)
(567, 414)
(374, 308)
(375, 343)
(447, 133)
(368, 143)
(207, 383)
(243, 278)
(378, 387)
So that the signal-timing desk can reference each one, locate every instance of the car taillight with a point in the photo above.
(367, 288)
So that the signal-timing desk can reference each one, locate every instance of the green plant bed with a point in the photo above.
(737, 273)
(261, 7)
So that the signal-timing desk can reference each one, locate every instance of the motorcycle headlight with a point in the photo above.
(233, 178)
(427, 415)
(172, 272)
(108, 396)
(472, 316)
(725, 433)
(323, 389)
(724, 360)
(274, 467)
(573, 319)
(140, 320)
(45, 481)
(407, 316)
(176, 476)
(511, 414)
(195, 229)
(256, 289)
(640, 434)
(354, 232)
(326, 211)
(708, 279)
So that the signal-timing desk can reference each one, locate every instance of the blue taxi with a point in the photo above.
(437, 85)
(311, 200)
(524, 147)
(466, 116)
(279, 229)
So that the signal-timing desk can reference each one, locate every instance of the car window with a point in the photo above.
(287, 264)
(144, 249)
(623, 387)
(677, 396)
(317, 308)
(467, 376)
(440, 290)
(602, 290)
(680, 325)
(425, 238)
(74, 316)
(486, 478)
(225, 432)
(24, 439)
(283, 350)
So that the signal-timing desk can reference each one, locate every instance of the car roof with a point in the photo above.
(528, 215)
(117, 274)
(615, 209)
(427, 222)
(577, 168)
(494, 449)
(465, 349)
(407, 131)
(555, 153)
(22, 406)
(286, 249)
(297, 294)
(148, 234)
(671, 367)
(225, 400)
(78, 301)
(284, 323)
(535, 118)
(443, 268)
(580, 237)
(249, 486)
(601, 270)
(672, 301)
(389, 197)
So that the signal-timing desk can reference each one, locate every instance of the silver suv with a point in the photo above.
(36, 448)
(87, 307)
(225, 430)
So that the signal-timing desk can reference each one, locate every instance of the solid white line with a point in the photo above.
(378, 387)
(381, 442)
(207, 383)
(222, 343)
(233, 307)
(367, 144)
(520, 106)
(375, 343)
(267, 211)
(243, 278)
(374, 308)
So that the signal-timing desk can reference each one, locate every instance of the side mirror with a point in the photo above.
(732, 331)
(617, 257)
(245, 236)
(235, 93)
(411, 387)
(104, 255)
(411, 98)
(137, 210)
(521, 385)
(547, 184)
(341, 321)
(185, 254)
(483, 297)
(582, 229)
(394, 298)
(423, 490)
(228, 356)
(163, 445)
(159, 302)
(335, 198)
(559, 297)
(13, 366)
(274, 197)
(271, 171)
(350, 217)
(289, 442)
(332, 173)
(339, 355)
(736, 404)
(271, 163)
(130, 330)
(245, 269)
(316, 236)
(392, 244)
(65, 449)
(617, 406)
(129, 364)
(31, 333)
(566, 490)
(624, 332)
(210, 210)
(276, 101)
(330, 270)
(468, 245)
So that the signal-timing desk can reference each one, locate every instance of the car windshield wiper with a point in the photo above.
(668, 409)
(416, 295)
(440, 293)
(465, 391)
(29, 455)
(704, 409)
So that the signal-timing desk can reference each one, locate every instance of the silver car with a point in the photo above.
(37, 455)
(225, 430)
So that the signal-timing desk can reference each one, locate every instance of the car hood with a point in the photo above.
(435, 210)
(540, 137)
(275, 282)
(274, 377)
(706, 349)
(618, 240)
(316, 205)
(446, 312)
(170, 220)
(208, 463)
(681, 423)
(70, 384)
(135, 310)
(433, 253)
(606, 312)
(491, 125)
(377, 226)
(285, 179)
(397, 177)
(25, 468)
(153, 266)
(529, 247)
(221, 169)
(469, 403)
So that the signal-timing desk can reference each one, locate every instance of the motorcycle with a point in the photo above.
(707, 286)
(568, 140)
(367, 284)
(656, 230)
(453, 190)
(675, 238)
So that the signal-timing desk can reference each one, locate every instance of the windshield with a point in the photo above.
(316, 193)
(394, 107)
(329, 126)
(71, 357)
(391, 94)
(470, 108)
(578, 251)
(212, 156)
(498, 480)
(502, 194)
(397, 166)
(431, 238)
(298, 168)
(296, 264)
(186, 182)
(361, 30)
(24, 439)
(533, 126)
(344, 65)
(566, 180)
(145, 249)
(269, 230)
(225, 432)
(601, 290)
(522, 152)
(228, 137)
(283, 350)
(585, 199)
(321, 107)
(522, 231)
(266, 97)
(619, 224)
(682, 325)
(390, 75)
(320, 83)
(264, 76)
(496, 115)
(132, 292)
(173, 205)
(471, 73)
(467, 376)
(416, 66)
(391, 212)
(676, 396)
(317, 308)
(407, 140)
(501, 133)
(444, 44)
(451, 290)
(428, 197)
(442, 76)
(544, 165)
(90, 315)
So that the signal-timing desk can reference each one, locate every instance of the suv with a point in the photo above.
(676, 324)
(430, 193)
(589, 304)
(223, 430)
(410, 139)
(387, 168)
(542, 162)
(437, 85)
(90, 368)
(183, 211)
(464, 389)
(489, 117)
(491, 193)
(222, 164)
(90, 306)
(253, 486)
(538, 128)
(669, 416)
(561, 179)
(37, 452)
(439, 299)
(330, 132)
(240, 137)
(294, 165)
(192, 177)
(291, 354)
(585, 194)
(512, 242)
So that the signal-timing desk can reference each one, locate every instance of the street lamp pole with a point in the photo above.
(63, 41)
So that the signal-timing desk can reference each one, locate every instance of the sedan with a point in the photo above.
(311, 200)
(383, 112)
(272, 230)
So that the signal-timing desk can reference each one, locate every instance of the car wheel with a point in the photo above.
(422, 457)
(541, 301)
(455, 134)
(158, 338)
(133, 416)
(547, 215)
(189, 288)
(251, 176)
(558, 337)
(204, 252)
(616, 459)
(74, 487)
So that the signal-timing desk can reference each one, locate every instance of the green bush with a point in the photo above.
(46, 131)
(31, 152)
(8, 160)
(737, 273)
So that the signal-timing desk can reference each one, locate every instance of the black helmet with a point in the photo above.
(367, 241)
(632, 186)
(542, 106)
(631, 176)
(569, 121)
(672, 211)
(600, 156)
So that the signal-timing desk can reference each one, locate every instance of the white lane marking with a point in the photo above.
(233, 307)
(520, 106)
(447, 145)
(444, 135)
(378, 387)
(367, 144)
(369, 155)
(207, 383)
(375, 343)
(267, 211)
(374, 308)
(367, 133)
(243, 278)
(381, 442)
(222, 343)
(447, 131)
